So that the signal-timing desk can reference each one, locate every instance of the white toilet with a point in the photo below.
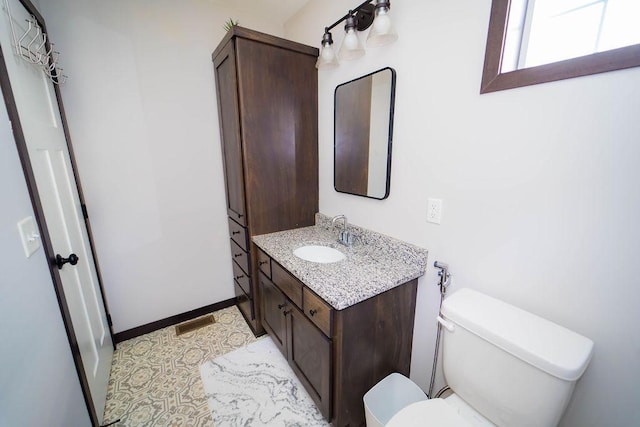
(505, 366)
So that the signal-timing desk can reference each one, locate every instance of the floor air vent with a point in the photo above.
(192, 325)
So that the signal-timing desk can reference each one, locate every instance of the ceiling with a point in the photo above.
(281, 10)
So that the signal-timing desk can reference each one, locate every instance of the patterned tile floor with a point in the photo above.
(155, 378)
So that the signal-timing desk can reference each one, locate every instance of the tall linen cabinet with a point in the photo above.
(267, 90)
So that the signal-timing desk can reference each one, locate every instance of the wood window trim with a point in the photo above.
(494, 80)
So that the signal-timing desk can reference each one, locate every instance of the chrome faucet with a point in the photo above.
(345, 237)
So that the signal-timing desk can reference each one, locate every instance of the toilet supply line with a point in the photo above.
(445, 280)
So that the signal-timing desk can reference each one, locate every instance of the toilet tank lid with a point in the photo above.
(537, 341)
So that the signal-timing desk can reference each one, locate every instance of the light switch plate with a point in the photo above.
(434, 210)
(29, 235)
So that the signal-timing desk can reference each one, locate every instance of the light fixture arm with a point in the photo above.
(363, 14)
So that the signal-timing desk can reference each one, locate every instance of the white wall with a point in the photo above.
(142, 110)
(40, 385)
(540, 188)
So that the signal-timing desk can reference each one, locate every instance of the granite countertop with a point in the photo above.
(374, 263)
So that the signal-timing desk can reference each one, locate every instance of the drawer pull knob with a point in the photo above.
(262, 262)
(281, 306)
(236, 255)
(239, 277)
(233, 233)
(286, 312)
(313, 312)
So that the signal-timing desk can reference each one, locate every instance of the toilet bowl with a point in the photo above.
(434, 412)
(449, 412)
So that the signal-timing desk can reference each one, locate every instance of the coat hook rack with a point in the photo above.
(34, 46)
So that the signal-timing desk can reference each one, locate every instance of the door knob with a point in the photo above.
(73, 260)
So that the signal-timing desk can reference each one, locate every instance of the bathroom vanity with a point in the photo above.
(342, 326)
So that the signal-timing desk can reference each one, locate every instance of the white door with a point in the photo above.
(42, 126)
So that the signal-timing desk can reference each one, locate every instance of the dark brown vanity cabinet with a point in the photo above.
(338, 355)
(267, 92)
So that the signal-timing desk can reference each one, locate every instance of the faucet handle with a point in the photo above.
(346, 238)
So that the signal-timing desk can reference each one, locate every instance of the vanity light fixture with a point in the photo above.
(358, 19)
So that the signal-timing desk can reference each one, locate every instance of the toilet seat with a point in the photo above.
(434, 412)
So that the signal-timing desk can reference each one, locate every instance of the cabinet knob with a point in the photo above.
(233, 233)
(262, 262)
(312, 312)
(236, 255)
(239, 277)
(286, 312)
(281, 306)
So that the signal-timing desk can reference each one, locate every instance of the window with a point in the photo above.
(536, 41)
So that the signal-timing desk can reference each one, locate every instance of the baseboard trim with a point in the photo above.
(173, 320)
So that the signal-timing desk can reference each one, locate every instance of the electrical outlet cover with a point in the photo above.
(434, 210)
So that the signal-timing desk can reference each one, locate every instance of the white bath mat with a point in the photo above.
(254, 386)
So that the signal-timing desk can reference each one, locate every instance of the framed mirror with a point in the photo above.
(363, 130)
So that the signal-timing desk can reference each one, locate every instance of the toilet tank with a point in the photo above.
(515, 368)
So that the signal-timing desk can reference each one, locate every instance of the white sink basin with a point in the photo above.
(319, 254)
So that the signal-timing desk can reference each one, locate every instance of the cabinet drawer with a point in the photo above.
(264, 263)
(239, 234)
(318, 311)
(245, 304)
(242, 278)
(288, 284)
(240, 256)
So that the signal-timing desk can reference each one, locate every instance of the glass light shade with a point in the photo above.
(327, 58)
(382, 31)
(351, 46)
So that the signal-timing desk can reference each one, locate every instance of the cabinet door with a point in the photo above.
(309, 354)
(229, 116)
(274, 304)
(278, 91)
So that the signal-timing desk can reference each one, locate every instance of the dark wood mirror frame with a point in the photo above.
(494, 80)
(351, 161)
